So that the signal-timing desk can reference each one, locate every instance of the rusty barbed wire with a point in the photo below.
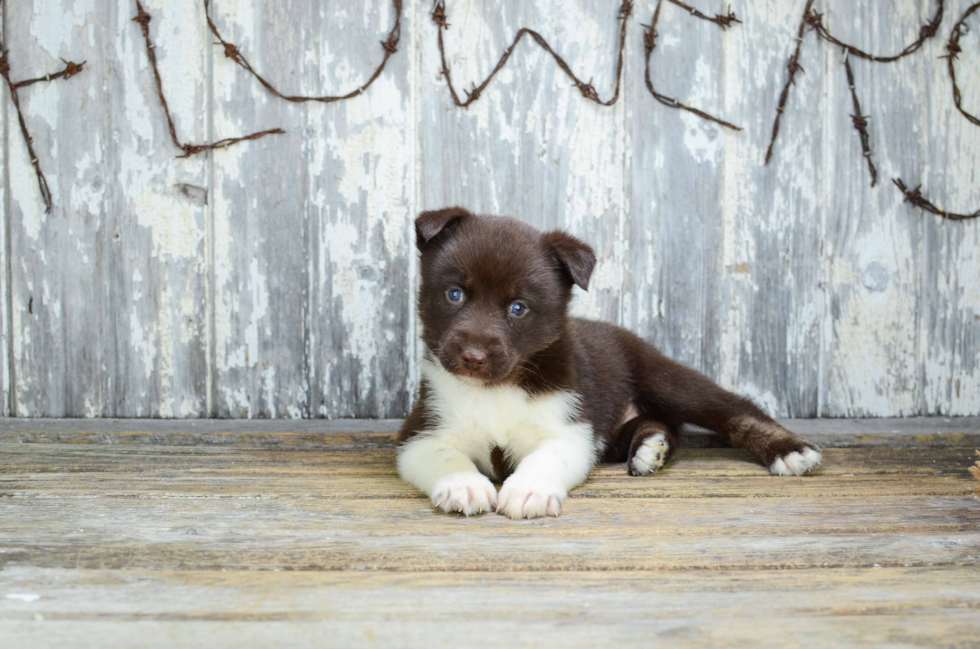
(953, 50)
(860, 122)
(723, 20)
(390, 46)
(587, 89)
(143, 19)
(915, 197)
(71, 69)
(793, 66)
(814, 20)
(650, 43)
(927, 31)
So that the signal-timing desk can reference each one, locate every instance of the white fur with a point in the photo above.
(651, 455)
(553, 453)
(796, 463)
(465, 492)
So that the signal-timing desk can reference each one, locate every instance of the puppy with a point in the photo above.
(515, 391)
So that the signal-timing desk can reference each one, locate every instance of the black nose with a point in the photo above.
(473, 359)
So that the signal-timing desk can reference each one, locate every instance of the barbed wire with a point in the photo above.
(953, 49)
(650, 42)
(143, 19)
(70, 70)
(587, 89)
(390, 46)
(915, 197)
(793, 67)
(860, 122)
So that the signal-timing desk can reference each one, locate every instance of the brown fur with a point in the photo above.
(496, 261)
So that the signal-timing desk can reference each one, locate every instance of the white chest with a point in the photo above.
(477, 418)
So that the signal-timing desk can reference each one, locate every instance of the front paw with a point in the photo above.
(465, 492)
(529, 497)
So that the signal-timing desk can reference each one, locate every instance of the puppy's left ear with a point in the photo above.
(575, 256)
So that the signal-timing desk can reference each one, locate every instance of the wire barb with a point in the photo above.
(860, 123)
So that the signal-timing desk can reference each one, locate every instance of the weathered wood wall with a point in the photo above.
(275, 278)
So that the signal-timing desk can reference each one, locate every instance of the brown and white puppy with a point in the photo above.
(515, 391)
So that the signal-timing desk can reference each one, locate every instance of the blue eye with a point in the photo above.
(454, 295)
(517, 309)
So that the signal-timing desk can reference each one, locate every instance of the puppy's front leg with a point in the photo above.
(446, 475)
(542, 479)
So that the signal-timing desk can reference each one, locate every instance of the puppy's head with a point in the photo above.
(494, 290)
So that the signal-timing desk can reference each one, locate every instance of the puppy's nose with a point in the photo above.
(474, 359)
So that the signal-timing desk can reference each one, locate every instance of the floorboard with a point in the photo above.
(230, 534)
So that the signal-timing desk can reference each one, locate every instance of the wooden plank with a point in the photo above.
(873, 242)
(771, 301)
(361, 171)
(842, 606)
(949, 326)
(156, 216)
(58, 269)
(675, 189)
(102, 541)
(5, 315)
(259, 214)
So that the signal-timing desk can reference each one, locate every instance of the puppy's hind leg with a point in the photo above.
(669, 391)
(651, 443)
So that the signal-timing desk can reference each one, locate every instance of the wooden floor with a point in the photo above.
(224, 534)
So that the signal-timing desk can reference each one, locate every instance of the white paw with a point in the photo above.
(796, 463)
(651, 455)
(529, 496)
(466, 492)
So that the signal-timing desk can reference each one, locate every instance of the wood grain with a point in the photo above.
(276, 278)
(168, 535)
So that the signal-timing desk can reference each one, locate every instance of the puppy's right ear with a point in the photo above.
(430, 225)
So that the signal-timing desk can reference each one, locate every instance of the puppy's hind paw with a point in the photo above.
(796, 463)
(650, 456)
(465, 492)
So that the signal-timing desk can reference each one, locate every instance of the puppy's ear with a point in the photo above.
(429, 225)
(574, 255)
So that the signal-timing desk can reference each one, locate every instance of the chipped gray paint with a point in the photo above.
(275, 278)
